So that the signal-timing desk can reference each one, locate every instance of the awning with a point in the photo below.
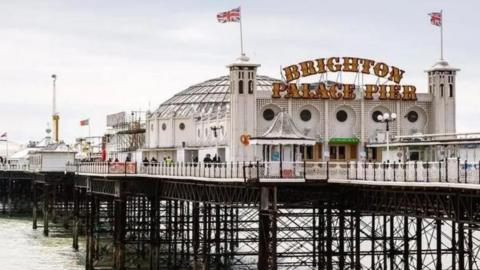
(344, 140)
(283, 131)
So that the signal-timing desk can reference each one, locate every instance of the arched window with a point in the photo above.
(240, 87)
(441, 90)
(451, 90)
(268, 114)
(375, 115)
(342, 116)
(412, 116)
(250, 87)
(305, 115)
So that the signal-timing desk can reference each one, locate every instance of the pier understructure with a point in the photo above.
(140, 220)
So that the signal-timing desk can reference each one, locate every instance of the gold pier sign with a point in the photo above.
(393, 91)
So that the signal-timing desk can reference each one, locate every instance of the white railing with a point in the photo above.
(223, 170)
(103, 167)
(14, 167)
(194, 169)
(450, 171)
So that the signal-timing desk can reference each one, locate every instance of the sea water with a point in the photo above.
(22, 248)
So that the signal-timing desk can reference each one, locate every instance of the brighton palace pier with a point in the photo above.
(235, 116)
(303, 179)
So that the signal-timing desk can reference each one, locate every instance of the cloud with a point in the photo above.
(120, 55)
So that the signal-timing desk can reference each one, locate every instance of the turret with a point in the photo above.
(243, 112)
(442, 86)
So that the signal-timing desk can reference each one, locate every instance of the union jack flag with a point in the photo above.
(436, 18)
(229, 16)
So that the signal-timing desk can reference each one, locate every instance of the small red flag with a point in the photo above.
(84, 122)
(436, 18)
(229, 16)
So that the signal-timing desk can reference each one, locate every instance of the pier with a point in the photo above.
(322, 215)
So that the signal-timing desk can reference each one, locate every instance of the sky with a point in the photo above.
(118, 55)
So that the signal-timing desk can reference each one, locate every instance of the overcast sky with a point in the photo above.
(115, 55)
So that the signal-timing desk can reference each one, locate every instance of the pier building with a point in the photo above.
(219, 116)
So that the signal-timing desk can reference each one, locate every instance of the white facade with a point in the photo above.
(241, 105)
(51, 161)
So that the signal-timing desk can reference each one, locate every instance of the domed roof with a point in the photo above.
(442, 65)
(212, 96)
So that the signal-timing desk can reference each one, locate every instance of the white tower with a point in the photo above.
(442, 86)
(243, 108)
(55, 116)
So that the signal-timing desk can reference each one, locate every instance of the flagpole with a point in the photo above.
(441, 35)
(241, 35)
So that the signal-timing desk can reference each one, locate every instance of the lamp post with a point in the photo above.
(387, 118)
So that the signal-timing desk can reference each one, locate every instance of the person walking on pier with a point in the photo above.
(145, 161)
(195, 161)
(207, 160)
(168, 161)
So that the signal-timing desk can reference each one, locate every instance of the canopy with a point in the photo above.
(344, 140)
(283, 131)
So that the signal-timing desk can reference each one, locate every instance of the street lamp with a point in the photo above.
(387, 118)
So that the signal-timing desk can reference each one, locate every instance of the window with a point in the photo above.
(309, 152)
(164, 126)
(337, 152)
(375, 115)
(341, 152)
(412, 116)
(342, 116)
(305, 115)
(441, 90)
(181, 126)
(250, 87)
(333, 152)
(451, 90)
(240, 87)
(268, 114)
(414, 156)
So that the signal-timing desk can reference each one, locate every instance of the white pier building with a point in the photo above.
(219, 115)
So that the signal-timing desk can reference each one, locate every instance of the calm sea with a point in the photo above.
(22, 248)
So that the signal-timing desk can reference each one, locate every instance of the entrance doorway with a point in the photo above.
(342, 152)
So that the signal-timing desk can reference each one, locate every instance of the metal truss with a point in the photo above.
(460, 207)
(169, 224)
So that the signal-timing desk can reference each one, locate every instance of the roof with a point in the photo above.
(212, 96)
(24, 153)
(283, 131)
(442, 65)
